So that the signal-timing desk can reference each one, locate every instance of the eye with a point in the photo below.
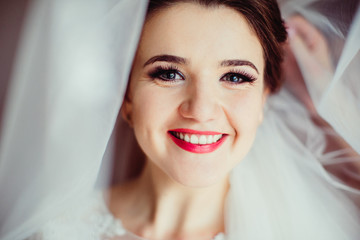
(170, 75)
(167, 74)
(237, 78)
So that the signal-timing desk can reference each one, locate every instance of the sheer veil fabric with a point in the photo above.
(66, 88)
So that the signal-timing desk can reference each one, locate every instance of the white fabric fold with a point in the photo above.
(63, 102)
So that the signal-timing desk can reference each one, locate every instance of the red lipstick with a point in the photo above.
(196, 148)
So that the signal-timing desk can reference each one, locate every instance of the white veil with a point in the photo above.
(288, 194)
(66, 88)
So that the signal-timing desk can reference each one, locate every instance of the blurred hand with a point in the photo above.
(307, 58)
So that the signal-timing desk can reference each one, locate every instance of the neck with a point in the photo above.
(173, 211)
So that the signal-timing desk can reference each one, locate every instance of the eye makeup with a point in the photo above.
(166, 73)
(238, 76)
(170, 74)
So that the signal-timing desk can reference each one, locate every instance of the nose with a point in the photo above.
(200, 103)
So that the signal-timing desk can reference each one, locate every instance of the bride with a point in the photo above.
(227, 154)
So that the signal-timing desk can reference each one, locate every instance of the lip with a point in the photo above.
(196, 148)
(191, 131)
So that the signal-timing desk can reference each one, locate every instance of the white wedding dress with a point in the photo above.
(58, 137)
(90, 220)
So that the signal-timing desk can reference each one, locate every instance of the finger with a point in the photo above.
(311, 68)
(305, 30)
(301, 51)
(313, 39)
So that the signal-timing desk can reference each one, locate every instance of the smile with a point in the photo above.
(197, 141)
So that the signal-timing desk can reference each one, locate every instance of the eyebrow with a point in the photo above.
(166, 58)
(180, 60)
(237, 62)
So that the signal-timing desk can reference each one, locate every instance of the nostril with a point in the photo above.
(199, 109)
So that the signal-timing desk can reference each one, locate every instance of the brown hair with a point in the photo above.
(265, 19)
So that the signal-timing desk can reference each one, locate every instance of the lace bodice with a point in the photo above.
(90, 221)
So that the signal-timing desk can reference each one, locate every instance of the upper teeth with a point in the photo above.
(197, 138)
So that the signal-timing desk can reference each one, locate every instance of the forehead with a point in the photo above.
(201, 33)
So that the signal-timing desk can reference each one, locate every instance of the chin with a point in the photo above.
(199, 177)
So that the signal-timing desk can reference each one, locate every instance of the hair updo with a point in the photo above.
(265, 19)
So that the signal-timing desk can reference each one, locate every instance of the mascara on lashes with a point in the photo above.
(240, 74)
(160, 70)
(246, 77)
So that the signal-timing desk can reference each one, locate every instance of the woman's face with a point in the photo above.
(196, 92)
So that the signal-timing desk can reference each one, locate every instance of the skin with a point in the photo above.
(199, 98)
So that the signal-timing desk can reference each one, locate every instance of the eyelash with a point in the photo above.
(160, 70)
(244, 76)
(240, 74)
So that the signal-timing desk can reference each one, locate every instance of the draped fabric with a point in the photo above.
(67, 85)
(299, 181)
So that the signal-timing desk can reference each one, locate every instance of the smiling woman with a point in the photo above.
(197, 87)
(228, 155)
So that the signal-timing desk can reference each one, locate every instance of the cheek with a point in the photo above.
(144, 115)
(245, 111)
(153, 105)
(244, 114)
(153, 111)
